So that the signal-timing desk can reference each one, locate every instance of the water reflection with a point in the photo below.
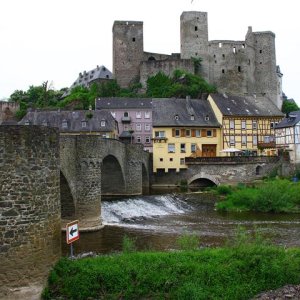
(156, 221)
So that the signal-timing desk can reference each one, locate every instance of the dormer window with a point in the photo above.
(64, 124)
(126, 114)
(83, 123)
(176, 117)
(192, 117)
(207, 118)
(27, 122)
(102, 123)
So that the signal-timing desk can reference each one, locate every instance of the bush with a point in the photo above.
(128, 244)
(188, 242)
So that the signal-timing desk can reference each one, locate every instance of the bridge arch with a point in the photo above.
(112, 176)
(204, 178)
(67, 202)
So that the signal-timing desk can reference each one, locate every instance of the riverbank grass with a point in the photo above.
(278, 195)
(238, 272)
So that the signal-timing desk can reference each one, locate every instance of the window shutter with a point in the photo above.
(173, 132)
(203, 133)
(182, 132)
(193, 132)
(215, 132)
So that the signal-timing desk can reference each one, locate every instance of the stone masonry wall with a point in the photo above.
(30, 231)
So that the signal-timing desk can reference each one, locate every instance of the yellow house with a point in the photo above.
(248, 122)
(183, 128)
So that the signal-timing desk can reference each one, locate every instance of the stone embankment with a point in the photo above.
(291, 292)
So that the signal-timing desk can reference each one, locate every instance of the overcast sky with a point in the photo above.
(54, 40)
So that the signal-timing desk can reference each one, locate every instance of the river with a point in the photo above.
(156, 221)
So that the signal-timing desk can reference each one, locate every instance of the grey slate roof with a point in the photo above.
(85, 78)
(123, 103)
(290, 121)
(231, 105)
(183, 112)
(74, 120)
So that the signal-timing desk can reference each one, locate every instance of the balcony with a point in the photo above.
(126, 119)
(262, 145)
(159, 139)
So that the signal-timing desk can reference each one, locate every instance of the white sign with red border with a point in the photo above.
(72, 232)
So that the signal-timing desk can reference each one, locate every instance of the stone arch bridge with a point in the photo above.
(90, 167)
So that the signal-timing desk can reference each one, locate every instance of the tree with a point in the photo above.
(288, 106)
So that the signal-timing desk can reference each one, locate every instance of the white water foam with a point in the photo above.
(145, 207)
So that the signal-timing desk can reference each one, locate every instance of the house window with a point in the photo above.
(192, 117)
(208, 133)
(232, 141)
(266, 139)
(171, 159)
(138, 114)
(182, 148)
(177, 132)
(102, 123)
(147, 114)
(147, 139)
(159, 134)
(243, 124)
(161, 159)
(193, 148)
(147, 127)
(138, 139)
(231, 124)
(244, 140)
(182, 161)
(272, 125)
(126, 114)
(255, 140)
(171, 148)
(254, 125)
(197, 132)
(138, 127)
(83, 124)
(188, 132)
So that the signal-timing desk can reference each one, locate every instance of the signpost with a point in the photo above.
(72, 234)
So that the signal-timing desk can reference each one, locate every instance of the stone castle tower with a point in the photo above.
(246, 67)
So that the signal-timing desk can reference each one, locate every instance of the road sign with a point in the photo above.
(72, 232)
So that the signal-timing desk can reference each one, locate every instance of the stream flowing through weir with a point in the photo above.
(155, 222)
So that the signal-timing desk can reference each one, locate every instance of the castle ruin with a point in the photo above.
(245, 67)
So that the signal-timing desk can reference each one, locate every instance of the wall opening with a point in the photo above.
(196, 28)
(258, 170)
(201, 182)
(112, 179)
(133, 39)
(151, 58)
(239, 69)
(66, 198)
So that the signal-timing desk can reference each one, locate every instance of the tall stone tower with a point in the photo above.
(128, 49)
(194, 38)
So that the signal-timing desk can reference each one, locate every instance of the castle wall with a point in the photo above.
(152, 67)
(30, 231)
(7, 110)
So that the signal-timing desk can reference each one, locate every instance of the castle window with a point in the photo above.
(196, 53)
(249, 62)
(260, 63)
(234, 49)
(260, 51)
(107, 76)
(133, 39)
(223, 71)
(215, 61)
(151, 58)
(220, 45)
(223, 55)
(243, 46)
(239, 69)
(196, 28)
(214, 55)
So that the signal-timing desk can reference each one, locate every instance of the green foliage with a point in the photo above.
(89, 115)
(188, 242)
(238, 272)
(180, 85)
(128, 245)
(223, 189)
(289, 106)
(20, 114)
(278, 195)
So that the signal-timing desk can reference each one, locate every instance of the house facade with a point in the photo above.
(134, 116)
(183, 128)
(287, 133)
(78, 122)
(248, 123)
